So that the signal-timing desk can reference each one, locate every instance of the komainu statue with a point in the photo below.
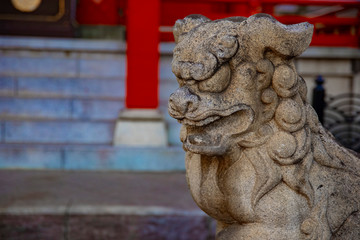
(257, 158)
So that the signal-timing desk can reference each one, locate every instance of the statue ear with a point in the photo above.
(225, 46)
(265, 32)
(183, 26)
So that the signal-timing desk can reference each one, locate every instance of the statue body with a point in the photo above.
(257, 158)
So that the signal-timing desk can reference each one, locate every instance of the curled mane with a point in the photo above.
(285, 155)
(292, 139)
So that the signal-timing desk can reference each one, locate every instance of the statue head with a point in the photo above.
(232, 75)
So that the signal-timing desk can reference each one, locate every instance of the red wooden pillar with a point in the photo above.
(142, 30)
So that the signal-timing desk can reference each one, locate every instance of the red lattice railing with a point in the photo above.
(337, 23)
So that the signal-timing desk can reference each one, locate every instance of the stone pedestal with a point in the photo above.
(140, 127)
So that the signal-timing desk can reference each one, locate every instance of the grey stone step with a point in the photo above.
(54, 132)
(61, 109)
(60, 63)
(99, 205)
(54, 87)
(62, 44)
(91, 157)
(64, 121)
(7, 86)
(106, 226)
(99, 88)
(34, 108)
(67, 87)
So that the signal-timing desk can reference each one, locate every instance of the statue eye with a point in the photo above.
(218, 82)
(228, 41)
(225, 47)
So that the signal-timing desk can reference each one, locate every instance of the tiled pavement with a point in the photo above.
(99, 205)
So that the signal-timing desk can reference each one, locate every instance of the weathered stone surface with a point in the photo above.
(258, 160)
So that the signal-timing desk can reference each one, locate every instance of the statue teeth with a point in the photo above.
(196, 139)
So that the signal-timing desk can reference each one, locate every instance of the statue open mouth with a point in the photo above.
(207, 136)
(207, 144)
(199, 123)
(209, 116)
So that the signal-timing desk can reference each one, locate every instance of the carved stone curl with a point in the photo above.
(257, 158)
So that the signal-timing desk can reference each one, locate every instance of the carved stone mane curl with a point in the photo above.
(292, 140)
(288, 138)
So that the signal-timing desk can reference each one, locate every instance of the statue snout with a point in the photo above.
(181, 102)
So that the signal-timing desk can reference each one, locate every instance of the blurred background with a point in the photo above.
(87, 149)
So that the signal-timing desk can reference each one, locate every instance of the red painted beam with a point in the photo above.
(142, 31)
(313, 2)
(341, 31)
(97, 12)
(328, 21)
(300, 2)
(335, 41)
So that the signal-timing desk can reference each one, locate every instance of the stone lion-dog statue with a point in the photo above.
(257, 159)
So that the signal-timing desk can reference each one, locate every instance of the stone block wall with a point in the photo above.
(60, 91)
